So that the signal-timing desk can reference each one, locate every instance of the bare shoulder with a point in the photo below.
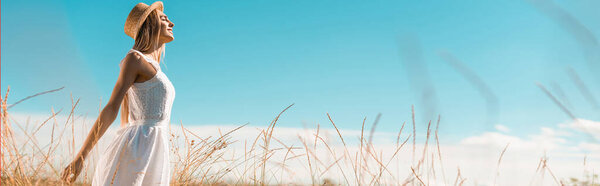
(132, 61)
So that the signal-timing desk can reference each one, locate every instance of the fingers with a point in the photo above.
(68, 175)
(72, 179)
(75, 174)
(65, 174)
(71, 172)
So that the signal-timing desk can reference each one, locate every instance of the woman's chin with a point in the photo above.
(167, 39)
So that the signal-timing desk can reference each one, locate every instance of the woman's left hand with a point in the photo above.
(71, 172)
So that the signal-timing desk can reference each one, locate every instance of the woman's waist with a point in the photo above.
(149, 122)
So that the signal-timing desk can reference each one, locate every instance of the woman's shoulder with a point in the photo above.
(132, 59)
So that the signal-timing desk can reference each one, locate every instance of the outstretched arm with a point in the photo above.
(127, 75)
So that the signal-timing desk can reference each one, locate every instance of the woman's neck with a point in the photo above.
(156, 52)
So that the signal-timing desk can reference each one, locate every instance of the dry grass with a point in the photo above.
(265, 160)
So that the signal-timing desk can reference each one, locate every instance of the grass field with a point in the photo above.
(324, 155)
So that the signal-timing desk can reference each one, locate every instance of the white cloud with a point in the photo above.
(586, 126)
(591, 147)
(491, 138)
(502, 128)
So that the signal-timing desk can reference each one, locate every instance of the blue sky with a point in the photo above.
(234, 62)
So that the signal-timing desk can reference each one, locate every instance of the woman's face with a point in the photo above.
(166, 28)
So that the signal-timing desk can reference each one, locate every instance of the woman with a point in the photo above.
(139, 155)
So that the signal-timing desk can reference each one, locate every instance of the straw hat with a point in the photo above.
(138, 15)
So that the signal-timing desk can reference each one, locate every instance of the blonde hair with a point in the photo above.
(146, 39)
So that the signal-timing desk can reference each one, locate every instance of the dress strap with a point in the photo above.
(149, 59)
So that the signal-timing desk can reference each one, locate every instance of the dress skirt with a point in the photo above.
(138, 155)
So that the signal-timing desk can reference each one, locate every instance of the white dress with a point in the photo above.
(139, 154)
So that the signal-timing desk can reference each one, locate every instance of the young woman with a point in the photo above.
(139, 155)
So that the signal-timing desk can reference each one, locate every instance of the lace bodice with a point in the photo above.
(150, 101)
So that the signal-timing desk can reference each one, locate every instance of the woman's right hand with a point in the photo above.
(71, 172)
